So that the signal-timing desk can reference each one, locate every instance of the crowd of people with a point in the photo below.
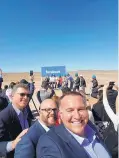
(68, 126)
(77, 83)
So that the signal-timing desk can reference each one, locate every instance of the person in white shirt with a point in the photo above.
(114, 118)
(9, 91)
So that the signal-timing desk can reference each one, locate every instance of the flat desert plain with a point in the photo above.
(102, 77)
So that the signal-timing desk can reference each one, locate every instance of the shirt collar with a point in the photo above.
(16, 109)
(90, 134)
(19, 111)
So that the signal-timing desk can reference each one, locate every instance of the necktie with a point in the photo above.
(23, 120)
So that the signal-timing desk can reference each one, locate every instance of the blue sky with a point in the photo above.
(80, 34)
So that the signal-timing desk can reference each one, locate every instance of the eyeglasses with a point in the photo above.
(49, 110)
(24, 94)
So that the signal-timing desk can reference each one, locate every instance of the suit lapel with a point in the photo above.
(40, 128)
(75, 147)
(72, 143)
(15, 119)
(98, 136)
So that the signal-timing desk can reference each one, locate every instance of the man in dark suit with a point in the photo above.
(14, 121)
(44, 93)
(1, 79)
(76, 137)
(26, 148)
(76, 83)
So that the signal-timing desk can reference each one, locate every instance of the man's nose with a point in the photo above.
(77, 114)
(26, 97)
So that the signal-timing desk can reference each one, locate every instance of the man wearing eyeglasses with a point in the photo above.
(26, 148)
(14, 121)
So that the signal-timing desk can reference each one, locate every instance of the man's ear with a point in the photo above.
(12, 96)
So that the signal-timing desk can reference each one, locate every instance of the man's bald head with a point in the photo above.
(48, 112)
(47, 103)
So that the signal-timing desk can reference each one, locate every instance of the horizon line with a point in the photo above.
(66, 71)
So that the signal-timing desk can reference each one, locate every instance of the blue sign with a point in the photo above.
(53, 70)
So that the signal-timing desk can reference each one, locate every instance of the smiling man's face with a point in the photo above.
(73, 114)
(21, 98)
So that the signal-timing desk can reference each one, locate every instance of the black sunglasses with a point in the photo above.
(49, 110)
(24, 94)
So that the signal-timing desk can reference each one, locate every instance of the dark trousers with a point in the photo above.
(76, 88)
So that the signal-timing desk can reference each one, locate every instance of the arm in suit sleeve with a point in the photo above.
(3, 138)
(3, 150)
(31, 88)
(77, 81)
(47, 148)
(95, 84)
(25, 148)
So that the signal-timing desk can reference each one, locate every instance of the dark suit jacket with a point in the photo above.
(10, 128)
(111, 97)
(77, 81)
(59, 143)
(26, 148)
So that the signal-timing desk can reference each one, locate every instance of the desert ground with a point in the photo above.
(102, 77)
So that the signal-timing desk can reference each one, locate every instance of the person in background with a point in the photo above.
(76, 82)
(9, 91)
(4, 90)
(52, 81)
(101, 118)
(70, 81)
(117, 100)
(65, 90)
(60, 80)
(94, 89)
(112, 95)
(56, 99)
(26, 148)
(89, 109)
(82, 83)
(98, 109)
(1, 79)
(5, 87)
(47, 79)
(3, 103)
(113, 117)
(94, 81)
(43, 93)
(111, 133)
(14, 121)
(65, 81)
